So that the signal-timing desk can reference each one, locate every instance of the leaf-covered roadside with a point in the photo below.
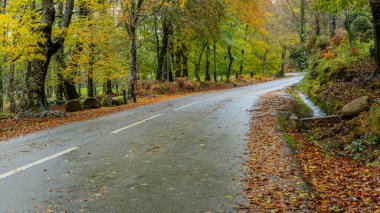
(336, 184)
(273, 180)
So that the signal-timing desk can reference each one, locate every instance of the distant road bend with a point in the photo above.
(182, 155)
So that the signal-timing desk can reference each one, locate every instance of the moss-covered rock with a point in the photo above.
(374, 117)
(355, 107)
(73, 105)
(117, 101)
(91, 103)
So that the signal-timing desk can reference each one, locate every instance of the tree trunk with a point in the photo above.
(215, 64)
(283, 55)
(1, 90)
(80, 89)
(90, 84)
(171, 70)
(302, 34)
(317, 23)
(69, 90)
(158, 74)
(375, 7)
(109, 87)
(11, 88)
(231, 61)
(162, 63)
(177, 60)
(198, 64)
(132, 75)
(35, 102)
(185, 68)
(243, 52)
(265, 63)
(61, 67)
(241, 62)
(208, 77)
(332, 25)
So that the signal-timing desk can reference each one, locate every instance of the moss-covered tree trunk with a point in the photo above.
(35, 102)
(132, 75)
(185, 57)
(375, 7)
(177, 59)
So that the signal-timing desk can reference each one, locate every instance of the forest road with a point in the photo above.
(182, 155)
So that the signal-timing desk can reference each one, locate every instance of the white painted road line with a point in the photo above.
(2, 176)
(182, 107)
(137, 123)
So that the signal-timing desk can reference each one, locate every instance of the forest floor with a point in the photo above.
(11, 127)
(286, 171)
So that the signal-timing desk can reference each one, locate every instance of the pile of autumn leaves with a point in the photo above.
(307, 180)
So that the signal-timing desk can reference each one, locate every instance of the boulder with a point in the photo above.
(91, 103)
(355, 107)
(73, 105)
(117, 101)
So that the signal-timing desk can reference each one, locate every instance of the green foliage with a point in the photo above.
(119, 100)
(374, 117)
(362, 146)
(299, 57)
(362, 28)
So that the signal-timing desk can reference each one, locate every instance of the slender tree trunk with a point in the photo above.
(171, 70)
(208, 77)
(375, 7)
(2, 10)
(231, 61)
(317, 23)
(109, 87)
(11, 88)
(185, 68)
(1, 89)
(163, 65)
(215, 64)
(158, 74)
(241, 62)
(177, 61)
(243, 52)
(198, 64)
(80, 89)
(283, 55)
(302, 34)
(265, 62)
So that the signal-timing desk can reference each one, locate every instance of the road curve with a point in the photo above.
(182, 155)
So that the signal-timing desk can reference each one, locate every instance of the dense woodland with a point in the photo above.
(55, 51)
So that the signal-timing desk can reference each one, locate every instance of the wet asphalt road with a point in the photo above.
(182, 155)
